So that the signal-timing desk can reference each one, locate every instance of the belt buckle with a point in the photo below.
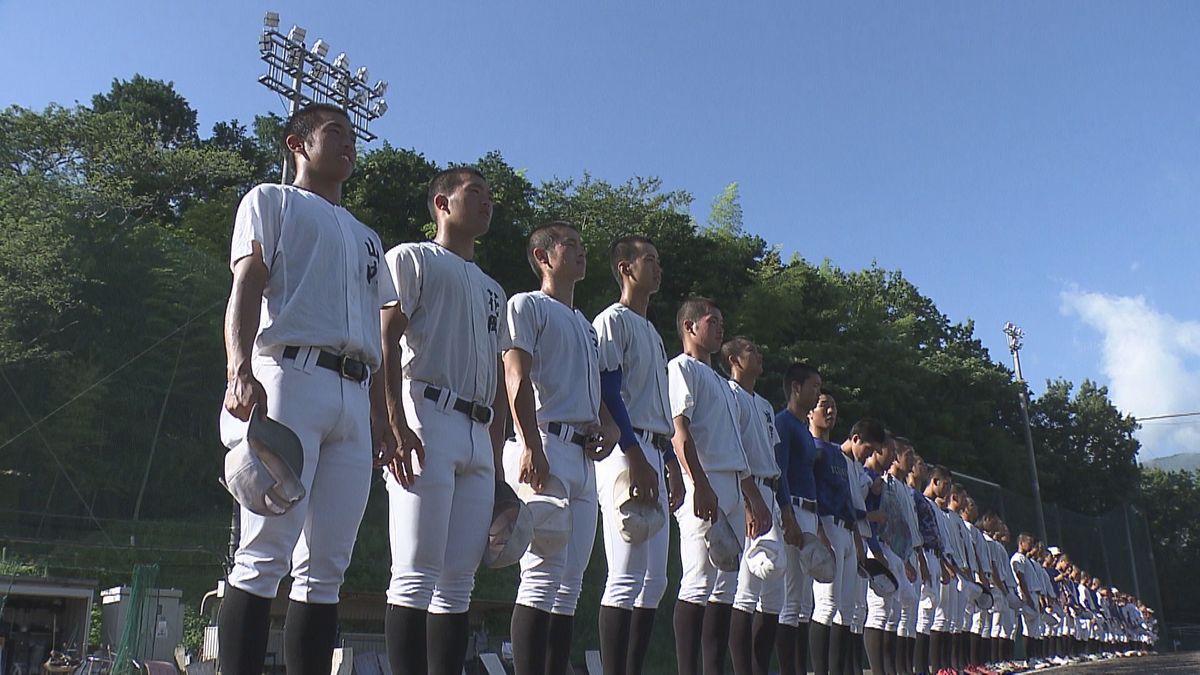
(342, 361)
(481, 413)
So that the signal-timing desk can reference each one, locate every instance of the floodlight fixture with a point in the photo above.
(361, 75)
(342, 62)
(379, 89)
(320, 48)
(379, 108)
(296, 35)
(271, 20)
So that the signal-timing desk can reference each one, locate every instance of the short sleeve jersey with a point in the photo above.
(799, 452)
(630, 343)
(833, 482)
(566, 371)
(928, 522)
(759, 435)
(326, 280)
(453, 308)
(698, 393)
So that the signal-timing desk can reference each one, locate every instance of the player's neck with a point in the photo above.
(330, 190)
(796, 409)
(745, 381)
(461, 245)
(561, 290)
(697, 352)
(635, 299)
(818, 432)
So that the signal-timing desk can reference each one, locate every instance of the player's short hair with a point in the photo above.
(901, 440)
(870, 430)
(304, 122)
(733, 348)
(624, 250)
(939, 470)
(446, 181)
(546, 236)
(693, 309)
(1026, 537)
(799, 373)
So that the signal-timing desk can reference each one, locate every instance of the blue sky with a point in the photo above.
(1024, 161)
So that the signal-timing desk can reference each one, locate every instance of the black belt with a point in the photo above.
(842, 522)
(477, 413)
(805, 504)
(555, 429)
(772, 483)
(661, 442)
(347, 367)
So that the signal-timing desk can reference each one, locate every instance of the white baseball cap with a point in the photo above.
(986, 599)
(817, 559)
(263, 465)
(639, 519)
(511, 530)
(724, 545)
(763, 558)
(550, 515)
(879, 577)
(972, 589)
(1054, 550)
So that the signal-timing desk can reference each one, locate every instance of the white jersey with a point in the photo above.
(325, 283)
(908, 511)
(978, 552)
(698, 393)
(566, 371)
(456, 323)
(1021, 565)
(860, 484)
(629, 342)
(759, 435)
(954, 542)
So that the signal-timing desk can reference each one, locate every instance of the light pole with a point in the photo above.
(303, 76)
(1015, 335)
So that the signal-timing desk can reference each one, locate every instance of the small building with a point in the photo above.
(40, 614)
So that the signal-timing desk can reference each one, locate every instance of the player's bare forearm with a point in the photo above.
(242, 312)
(499, 419)
(392, 324)
(517, 366)
(685, 451)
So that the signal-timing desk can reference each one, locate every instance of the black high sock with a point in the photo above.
(905, 647)
(802, 645)
(446, 637)
(244, 622)
(715, 640)
(741, 638)
(614, 638)
(853, 645)
(785, 647)
(309, 636)
(920, 661)
(765, 627)
(530, 630)
(820, 638)
(689, 625)
(404, 631)
(838, 636)
(641, 628)
(974, 645)
(937, 650)
(873, 639)
(558, 649)
(889, 653)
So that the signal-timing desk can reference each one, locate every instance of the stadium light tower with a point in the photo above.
(303, 75)
(1015, 336)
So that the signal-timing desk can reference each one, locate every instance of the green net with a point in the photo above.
(144, 579)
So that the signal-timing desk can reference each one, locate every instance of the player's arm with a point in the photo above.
(499, 419)
(533, 469)
(758, 520)
(643, 479)
(387, 402)
(704, 501)
(243, 390)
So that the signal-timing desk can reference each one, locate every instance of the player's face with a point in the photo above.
(809, 392)
(331, 149)
(904, 458)
(568, 257)
(470, 206)
(645, 269)
(752, 360)
(863, 449)
(824, 415)
(709, 331)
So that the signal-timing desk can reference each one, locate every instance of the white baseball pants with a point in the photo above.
(797, 582)
(754, 594)
(637, 573)
(834, 602)
(701, 580)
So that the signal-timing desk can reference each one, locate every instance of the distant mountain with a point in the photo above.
(1184, 461)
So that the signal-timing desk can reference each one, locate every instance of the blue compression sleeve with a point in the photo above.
(783, 492)
(610, 392)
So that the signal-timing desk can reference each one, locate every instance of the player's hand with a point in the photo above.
(704, 502)
(383, 441)
(791, 529)
(534, 468)
(877, 517)
(910, 572)
(601, 439)
(822, 536)
(675, 488)
(758, 516)
(242, 393)
(408, 448)
(643, 479)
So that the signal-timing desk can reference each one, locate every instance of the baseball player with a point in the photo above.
(439, 507)
(302, 339)
(551, 371)
(796, 455)
(900, 626)
(860, 486)
(758, 601)
(718, 487)
(874, 467)
(633, 385)
(920, 617)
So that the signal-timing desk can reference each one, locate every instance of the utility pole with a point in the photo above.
(1015, 336)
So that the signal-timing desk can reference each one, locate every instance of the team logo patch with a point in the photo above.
(373, 263)
(493, 304)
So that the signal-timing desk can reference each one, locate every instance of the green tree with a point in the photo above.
(1171, 502)
(155, 104)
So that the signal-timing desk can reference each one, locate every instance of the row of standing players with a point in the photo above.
(418, 355)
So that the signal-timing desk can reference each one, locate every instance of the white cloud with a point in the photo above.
(1152, 361)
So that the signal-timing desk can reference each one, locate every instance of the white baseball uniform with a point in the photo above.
(860, 484)
(698, 393)
(759, 438)
(325, 287)
(566, 387)
(438, 527)
(637, 573)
